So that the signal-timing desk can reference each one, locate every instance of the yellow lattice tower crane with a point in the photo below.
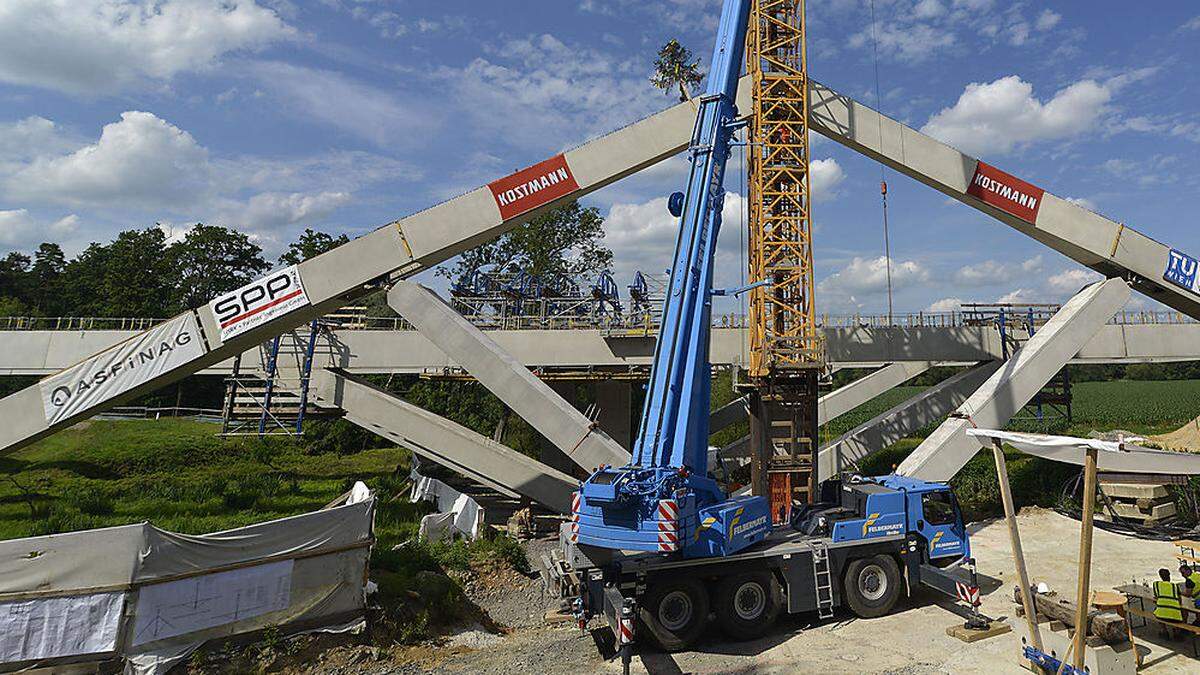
(786, 351)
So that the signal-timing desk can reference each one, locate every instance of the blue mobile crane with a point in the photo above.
(657, 543)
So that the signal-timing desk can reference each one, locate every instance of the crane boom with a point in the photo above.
(657, 503)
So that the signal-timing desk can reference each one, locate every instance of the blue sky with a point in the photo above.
(273, 115)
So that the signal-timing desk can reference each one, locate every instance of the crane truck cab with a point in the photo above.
(855, 508)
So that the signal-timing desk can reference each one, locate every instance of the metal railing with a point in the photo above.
(626, 322)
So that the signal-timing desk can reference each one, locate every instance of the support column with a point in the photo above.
(783, 439)
(615, 419)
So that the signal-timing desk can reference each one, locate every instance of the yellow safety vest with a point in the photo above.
(1166, 599)
(1195, 577)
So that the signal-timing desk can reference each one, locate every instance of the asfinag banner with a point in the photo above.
(121, 367)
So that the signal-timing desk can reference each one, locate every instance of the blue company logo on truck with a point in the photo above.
(1181, 270)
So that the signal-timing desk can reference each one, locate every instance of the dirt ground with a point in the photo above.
(911, 640)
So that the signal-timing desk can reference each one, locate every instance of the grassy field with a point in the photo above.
(180, 476)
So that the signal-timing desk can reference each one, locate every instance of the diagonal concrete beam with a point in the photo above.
(440, 440)
(846, 398)
(503, 375)
(902, 420)
(729, 414)
(944, 452)
(834, 404)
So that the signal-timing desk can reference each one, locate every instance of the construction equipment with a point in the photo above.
(663, 500)
(624, 519)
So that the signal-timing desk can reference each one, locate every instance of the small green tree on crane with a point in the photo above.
(675, 67)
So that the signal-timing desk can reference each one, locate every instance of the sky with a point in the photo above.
(270, 116)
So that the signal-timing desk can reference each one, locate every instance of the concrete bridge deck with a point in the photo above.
(406, 351)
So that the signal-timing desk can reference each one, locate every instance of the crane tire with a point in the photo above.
(747, 604)
(674, 612)
(871, 586)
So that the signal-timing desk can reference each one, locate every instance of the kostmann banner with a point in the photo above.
(121, 367)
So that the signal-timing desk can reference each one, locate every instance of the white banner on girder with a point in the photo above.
(121, 367)
(258, 302)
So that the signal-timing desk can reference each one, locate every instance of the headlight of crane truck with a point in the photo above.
(656, 544)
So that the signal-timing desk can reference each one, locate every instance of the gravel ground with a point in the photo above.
(910, 640)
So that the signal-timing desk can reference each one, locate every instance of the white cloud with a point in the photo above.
(996, 117)
(1082, 201)
(945, 305)
(274, 209)
(143, 169)
(1069, 282)
(864, 276)
(20, 230)
(1021, 296)
(382, 117)
(104, 46)
(538, 91)
(1047, 19)
(1192, 24)
(824, 176)
(992, 272)
(141, 159)
(928, 9)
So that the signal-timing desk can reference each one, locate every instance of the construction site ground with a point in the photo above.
(910, 640)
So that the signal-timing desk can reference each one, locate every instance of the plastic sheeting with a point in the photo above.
(63, 596)
(1112, 455)
(457, 512)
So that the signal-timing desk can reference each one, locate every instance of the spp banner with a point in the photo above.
(258, 302)
(121, 367)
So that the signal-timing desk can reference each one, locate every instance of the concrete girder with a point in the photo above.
(440, 440)
(511, 381)
(378, 351)
(844, 399)
(901, 420)
(1111, 248)
(729, 414)
(944, 452)
(841, 400)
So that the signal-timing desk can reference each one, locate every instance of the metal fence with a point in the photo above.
(631, 322)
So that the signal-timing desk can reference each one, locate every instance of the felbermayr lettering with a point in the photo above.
(1009, 193)
(524, 190)
(129, 364)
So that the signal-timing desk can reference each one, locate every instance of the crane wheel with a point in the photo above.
(872, 585)
(747, 604)
(674, 612)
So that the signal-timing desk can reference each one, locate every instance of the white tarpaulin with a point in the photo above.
(457, 511)
(1112, 455)
(121, 367)
(63, 595)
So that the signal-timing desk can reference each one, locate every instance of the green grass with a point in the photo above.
(180, 476)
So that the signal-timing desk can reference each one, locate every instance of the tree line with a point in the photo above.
(140, 273)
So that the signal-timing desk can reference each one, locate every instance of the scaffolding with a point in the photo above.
(783, 331)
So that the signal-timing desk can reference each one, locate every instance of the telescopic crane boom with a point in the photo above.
(657, 502)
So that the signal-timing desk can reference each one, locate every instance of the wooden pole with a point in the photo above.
(1085, 555)
(1014, 536)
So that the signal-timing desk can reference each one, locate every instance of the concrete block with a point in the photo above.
(1099, 658)
(1158, 512)
(1134, 491)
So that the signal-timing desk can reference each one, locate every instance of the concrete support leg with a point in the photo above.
(837, 402)
(613, 399)
(941, 455)
(905, 419)
(570, 430)
(729, 414)
(440, 440)
(844, 399)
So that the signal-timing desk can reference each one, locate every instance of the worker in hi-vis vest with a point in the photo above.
(1167, 605)
(1191, 584)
